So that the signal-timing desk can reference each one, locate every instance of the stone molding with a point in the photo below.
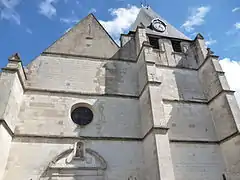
(91, 164)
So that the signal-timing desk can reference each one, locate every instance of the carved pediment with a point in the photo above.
(76, 161)
(91, 160)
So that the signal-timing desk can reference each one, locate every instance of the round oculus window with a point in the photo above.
(82, 116)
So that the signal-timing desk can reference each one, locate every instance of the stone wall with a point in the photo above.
(11, 97)
(83, 75)
(151, 169)
(165, 55)
(189, 121)
(223, 119)
(164, 156)
(87, 38)
(49, 114)
(209, 79)
(197, 161)
(180, 84)
(10, 100)
(231, 150)
(5, 141)
(145, 112)
(28, 160)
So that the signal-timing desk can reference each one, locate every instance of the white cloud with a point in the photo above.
(28, 30)
(231, 32)
(92, 10)
(210, 42)
(9, 3)
(193, 35)
(68, 29)
(236, 9)
(122, 20)
(234, 30)
(232, 72)
(196, 18)
(70, 20)
(237, 25)
(7, 10)
(47, 8)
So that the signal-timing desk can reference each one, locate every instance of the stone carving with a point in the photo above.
(79, 150)
(132, 178)
(74, 162)
(224, 177)
(77, 153)
(209, 52)
(161, 46)
(185, 48)
(14, 57)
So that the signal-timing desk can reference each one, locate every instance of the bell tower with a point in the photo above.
(188, 113)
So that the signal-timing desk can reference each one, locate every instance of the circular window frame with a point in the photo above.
(158, 20)
(82, 105)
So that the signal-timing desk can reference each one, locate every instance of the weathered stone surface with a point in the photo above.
(88, 38)
(5, 142)
(231, 150)
(145, 112)
(197, 161)
(179, 84)
(189, 121)
(150, 168)
(165, 163)
(223, 118)
(50, 115)
(11, 94)
(83, 75)
(157, 114)
(209, 78)
(123, 158)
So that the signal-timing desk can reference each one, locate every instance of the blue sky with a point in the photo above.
(30, 26)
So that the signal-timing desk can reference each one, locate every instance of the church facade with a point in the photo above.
(156, 108)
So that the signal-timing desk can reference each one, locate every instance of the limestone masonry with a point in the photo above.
(156, 108)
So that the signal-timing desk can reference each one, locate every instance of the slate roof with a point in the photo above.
(146, 15)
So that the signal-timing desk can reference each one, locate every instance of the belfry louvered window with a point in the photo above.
(176, 46)
(154, 42)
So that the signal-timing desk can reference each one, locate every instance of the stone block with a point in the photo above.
(189, 121)
(197, 161)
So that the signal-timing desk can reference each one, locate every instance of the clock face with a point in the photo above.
(158, 25)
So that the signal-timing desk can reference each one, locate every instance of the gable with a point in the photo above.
(145, 17)
(87, 38)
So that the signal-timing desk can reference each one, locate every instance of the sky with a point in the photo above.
(30, 26)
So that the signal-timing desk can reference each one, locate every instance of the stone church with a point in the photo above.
(157, 107)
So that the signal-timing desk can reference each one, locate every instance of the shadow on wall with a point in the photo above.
(115, 78)
(127, 51)
(178, 112)
(187, 85)
(191, 121)
(121, 76)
